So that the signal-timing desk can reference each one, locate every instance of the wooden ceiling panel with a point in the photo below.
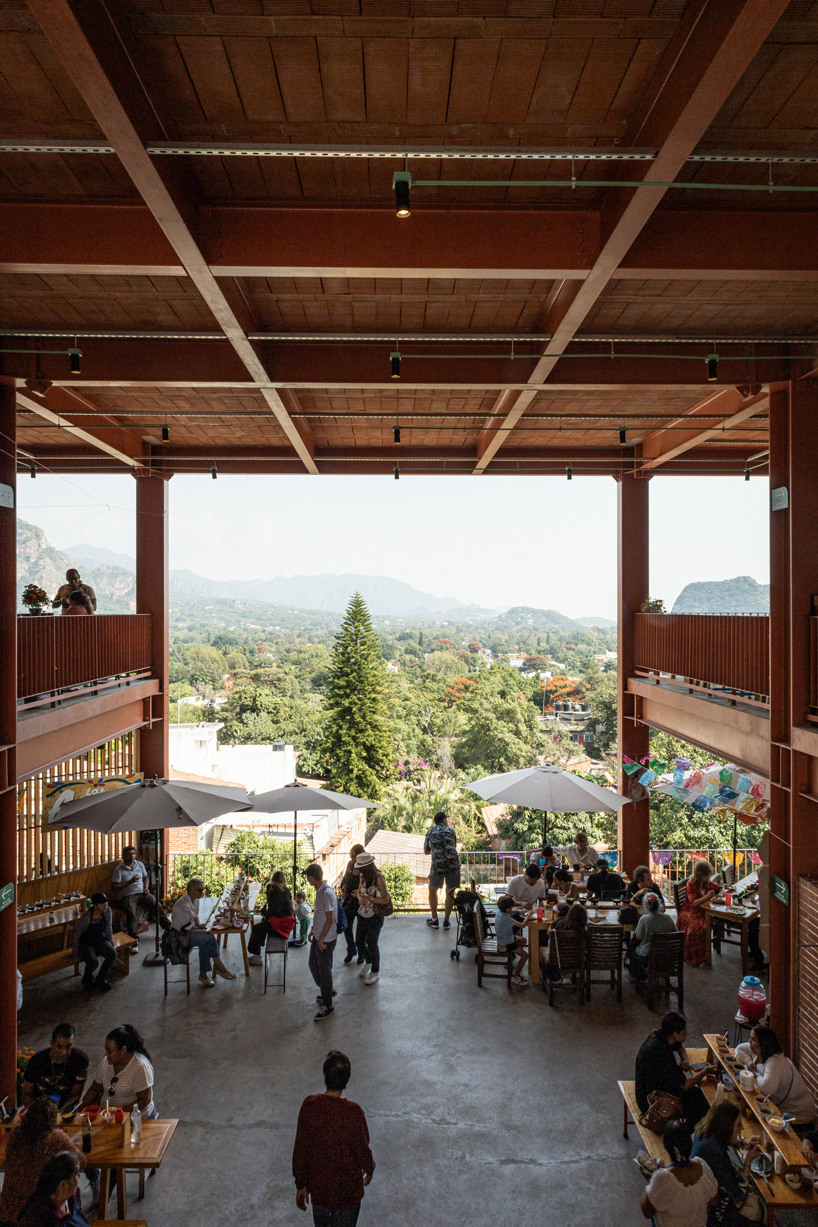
(253, 69)
(429, 73)
(691, 308)
(342, 79)
(386, 63)
(123, 303)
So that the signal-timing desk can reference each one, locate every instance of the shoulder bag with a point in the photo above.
(662, 1108)
(387, 907)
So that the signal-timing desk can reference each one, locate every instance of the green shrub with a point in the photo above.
(400, 882)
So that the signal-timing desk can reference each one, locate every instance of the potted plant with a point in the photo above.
(35, 598)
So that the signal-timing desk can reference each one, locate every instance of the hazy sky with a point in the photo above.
(496, 541)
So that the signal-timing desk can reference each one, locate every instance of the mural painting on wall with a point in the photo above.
(62, 791)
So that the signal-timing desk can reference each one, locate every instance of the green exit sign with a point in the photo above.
(781, 891)
(6, 896)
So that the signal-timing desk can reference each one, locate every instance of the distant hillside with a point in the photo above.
(39, 563)
(524, 615)
(93, 555)
(723, 596)
(604, 624)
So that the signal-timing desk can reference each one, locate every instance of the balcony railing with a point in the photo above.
(55, 653)
(724, 650)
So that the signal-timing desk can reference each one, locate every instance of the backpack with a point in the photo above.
(175, 946)
(341, 918)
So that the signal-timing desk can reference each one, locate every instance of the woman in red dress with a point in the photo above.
(701, 888)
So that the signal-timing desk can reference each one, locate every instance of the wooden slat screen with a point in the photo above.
(806, 1020)
(57, 652)
(719, 649)
(44, 852)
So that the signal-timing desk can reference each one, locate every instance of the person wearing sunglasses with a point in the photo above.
(124, 1077)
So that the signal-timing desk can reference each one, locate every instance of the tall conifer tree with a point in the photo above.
(358, 745)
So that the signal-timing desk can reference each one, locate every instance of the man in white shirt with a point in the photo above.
(580, 852)
(130, 885)
(527, 888)
(322, 939)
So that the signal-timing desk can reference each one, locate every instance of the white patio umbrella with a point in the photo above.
(296, 796)
(550, 789)
(150, 805)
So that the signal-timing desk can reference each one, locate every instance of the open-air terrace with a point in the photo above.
(484, 1105)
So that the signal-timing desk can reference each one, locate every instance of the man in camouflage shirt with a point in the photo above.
(441, 844)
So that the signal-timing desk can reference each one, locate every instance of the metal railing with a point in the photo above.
(54, 653)
(730, 650)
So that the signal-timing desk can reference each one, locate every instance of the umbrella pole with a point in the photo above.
(295, 853)
(735, 844)
(545, 828)
(156, 959)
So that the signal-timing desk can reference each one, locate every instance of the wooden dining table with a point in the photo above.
(787, 1144)
(51, 920)
(601, 916)
(224, 928)
(109, 1154)
(741, 920)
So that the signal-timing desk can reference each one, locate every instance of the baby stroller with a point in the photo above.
(465, 902)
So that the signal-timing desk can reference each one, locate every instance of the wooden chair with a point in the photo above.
(610, 896)
(666, 959)
(603, 953)
(275, 945)
(679, 895)
(489, 956)
(728, 875)
(566, 951)
(185, 964)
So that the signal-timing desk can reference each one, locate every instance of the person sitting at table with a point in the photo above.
(561, 884)
(185, 919)
(527, 889)
(680, 1195)
(701, 888)
(59, 1070)
(56, 1198)
(575, 919)
(653, 921)
(124, 1076)
(580, 853)
(94, 938)
(776, 1076)
(277, 917)
(30, 1145)
(642, 884)
(602, 879)
(78, 604)
(715, 1135)
(658, 1069)
(508, 931)
(544, 857)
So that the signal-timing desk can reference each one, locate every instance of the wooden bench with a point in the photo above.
(652, 1141)
(65, 958)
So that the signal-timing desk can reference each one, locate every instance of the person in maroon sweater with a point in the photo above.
(331, 1157)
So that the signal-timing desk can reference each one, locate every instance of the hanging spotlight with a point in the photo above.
(396, 471)
(401, 182)
(32, 468)
(569, 472)
(395, 359)
(75, 355)
(712, 361)
(623, 436)
(213, 472)
(165, 434)
(746, 473)
(396, 433)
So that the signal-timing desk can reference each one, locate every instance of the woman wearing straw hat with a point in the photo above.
(373, 900)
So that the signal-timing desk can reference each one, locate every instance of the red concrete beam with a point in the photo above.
(259, 241)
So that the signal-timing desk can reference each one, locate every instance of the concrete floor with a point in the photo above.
(483, 1105)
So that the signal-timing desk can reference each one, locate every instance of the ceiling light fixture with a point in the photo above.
(33, 469)
(75, 354)
(746, 473)
(401, 182)
(213, 472)
(712, 361)
(396, 471)
(165, 434)
(395, 359)
(569, 472)
(396, 433)
(623, 435)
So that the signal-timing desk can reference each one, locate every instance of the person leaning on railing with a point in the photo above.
(73, 584)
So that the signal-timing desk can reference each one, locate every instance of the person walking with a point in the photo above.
(441, 844)
(349, 902)
(322, 939)
(373, 902)
(332, 1159)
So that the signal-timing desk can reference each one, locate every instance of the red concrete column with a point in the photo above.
(793, 768)
(632, 737)
(8, 736)
(152, 586)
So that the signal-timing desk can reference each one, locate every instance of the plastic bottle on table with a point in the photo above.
(136, 1126)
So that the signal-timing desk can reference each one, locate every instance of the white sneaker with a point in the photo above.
(365, 970)
(255, 960)
(372, 977)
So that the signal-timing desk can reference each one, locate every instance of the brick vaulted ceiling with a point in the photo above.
(200, 191)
